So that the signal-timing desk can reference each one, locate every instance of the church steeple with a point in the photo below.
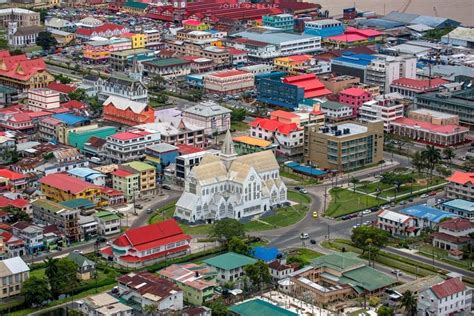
(136, 71)
(228, 151)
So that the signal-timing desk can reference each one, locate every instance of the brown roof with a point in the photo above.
(457, 224)
(28, 30)
(450, 238)
(448, 287)
(148, 283)
(277, 265)
(96, 142)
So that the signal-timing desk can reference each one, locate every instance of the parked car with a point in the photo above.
(424, 196)
(297, 188)
(101, 239)
(304, 236)
(139, 206)
(166, 187)
(402, 202)
(313, 242)
(303, 190)
(149, 211)
(366, 212)
(432, 193)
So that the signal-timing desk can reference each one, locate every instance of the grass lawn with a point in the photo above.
(442, 255)
(372, 187)
(239, 126)
(37, 272)
(344, 201)
(298, 197)
(298, 178)
(306, 255)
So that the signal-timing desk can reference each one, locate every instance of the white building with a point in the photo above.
(383, 70)
(176, 131)
(209, 115)
(231, 187)
(41, 99)
(22, 36)
(382, 108)
(460, 36)
(130, 145)
(103, 304)
(450, 297)
(397, 224)
(88, 175)
(335, 111)
(108, 223)
(461, 186)
(185, 163)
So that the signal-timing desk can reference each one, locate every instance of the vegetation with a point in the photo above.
(61, 275)
(78, 95)
(436, 34)
(408, 302)
(218, 307)
(432, 157)
(345, 202)
(385, 311)
(370, 239)
(238, 115)
(62, 79)
(227, 228)
(36, 291)
(46, 40)
(238, 245)
(302, 256)
(258, 273)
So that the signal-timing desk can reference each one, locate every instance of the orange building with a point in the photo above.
(128, 112)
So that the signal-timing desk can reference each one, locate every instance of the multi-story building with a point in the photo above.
(352, 64)
(228, 81)
(293, 64)
(146, 175)
(209, 115)
(194, 25)
(450, 297)
(431, 127)
(61, 187)
(336, 112)
(453, 235)
(185, 163)
(152, 38)
(103, 304)
(23, 17)
(338, 83)
(354, 97)
(384, 70)
(127, 112)
(373, 89)
(284, 21)
(66, 219)
(409, 88)
(124, 86)
(122, 60)
(99, 51)
(248, 145)
(196, 281)
(397, 224)
(14, 181)
(460, 207)
(230, 267)
(130, 145)
(22, 36)
(146, 245)
(221, 57)
(213, 190)
(13, 272)
(107, 30)
(382, 108)
(344, 146)
(31, 234)
(177, 131)
(108, 223)
(88, 175)
(137, 39)
(200, 37)
(167, 67)
(461, 186)
(458, 103)
(324, 28)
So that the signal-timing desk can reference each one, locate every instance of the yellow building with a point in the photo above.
(147, 180)
(291, 63)
(195, 25)
(137, 39)
(63, 38)
(61, 187)
(62, 131)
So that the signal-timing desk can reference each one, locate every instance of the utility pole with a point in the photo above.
(325, 198)
(329, 233)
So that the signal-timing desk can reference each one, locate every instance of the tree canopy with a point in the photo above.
(368, 237)
(258, 273)
(238, 115)
(46, 40)
(227, 228)
(385, 311)
(36, 291)
(61, 274)
(238, 245)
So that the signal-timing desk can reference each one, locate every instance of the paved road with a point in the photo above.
(143, 217)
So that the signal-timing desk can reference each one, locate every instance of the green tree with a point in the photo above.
(238, 115)
(402, 141)
(94, 104)
(157, 83)
(369, 238)
(418, 162)
(10, 156)
(469, 165)
(385, 311)
(227, 228)
(78, 95)
(237, 245)
(445, 172)
(36, 291)
(408, 302)
(17, 214)
(62, 79)
(374, 301)
(3, 43)
(218, 308)
(354, 182)
(449, 154)
(151, 309)
(46, 40)
(258, 273)
(43, 13)
(61, 275)
(300, 262)
(432, 157)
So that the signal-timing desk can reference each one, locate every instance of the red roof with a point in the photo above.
(4, 53)
(448, 287)
(192, 22)
(299, 58)
(60, 87)
(129, 258)
(442, 129)
(450, 238)
(99, 29)
(18, 203)
(354, 92)
(151, 236)
(184, 149)
(347, 38)
(274, 125)
(461, 177)
(235, 51)
(312, 86)
(420, 84)
(122, 173)
(20, 67)
(228, 73)
(363, 32)
(74, 104)
(66, 183)
(11, 175)
(284, 114)
(111, 192)
(130, 135)
(457, 224)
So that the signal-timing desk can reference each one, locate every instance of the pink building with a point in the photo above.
(355, 98)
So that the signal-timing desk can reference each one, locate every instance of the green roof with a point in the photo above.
(105, 215)
(80, 260)
(139, 166)
(338, 261)
(229, 261)
(367, 278)
(333, 105)
(261, 308)
(49, 205)
(78, 203)
(167, 62)
(136, 5)
(135, 51)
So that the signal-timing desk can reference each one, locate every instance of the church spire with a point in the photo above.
(228, 145)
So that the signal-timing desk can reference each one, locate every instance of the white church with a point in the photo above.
(231, 186)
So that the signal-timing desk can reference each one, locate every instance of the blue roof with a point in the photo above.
(356, 59)
(460, 204)
(265, 253)
(310, 171)
(85, 172)
(379, 23)
(70, 119)
(427, 212)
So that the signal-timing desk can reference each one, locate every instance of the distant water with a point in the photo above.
(460, 10)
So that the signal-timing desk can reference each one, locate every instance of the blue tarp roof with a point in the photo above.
(70, 119)
(358, 59)
(427, 212)
(310, 171)
(266, 254)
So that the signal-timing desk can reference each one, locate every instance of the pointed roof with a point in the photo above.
(228, 145)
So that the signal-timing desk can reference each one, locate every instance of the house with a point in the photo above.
(86, 267)
(31, 234)
(20, 204)
(167, 68)
(107, 30)
(427, 216)
(354, 97)
(196, 281)
(209, 115)
(279, 269)
(125, 86)
(149, 244)
(229, 266)
(124, 111)
(127, 181)
(130, 145)
(62, 187)
(103, 304)
(450, 297)
(108, 223)
(227, 186)
(13, 246)
(147, 176)
(13, 272)
(88, 175)
(453, 234)
(460, 207)
(460, 185)
(15, 181)
(146, 288)
(397, 224)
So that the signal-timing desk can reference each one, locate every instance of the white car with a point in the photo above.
(304, 236)
(424, 196)
(366, 212)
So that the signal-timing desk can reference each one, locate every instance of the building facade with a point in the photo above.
(14, 272)
(130, 145)
(127, 112)
(209, 115)
(228, 82)
(461, 186)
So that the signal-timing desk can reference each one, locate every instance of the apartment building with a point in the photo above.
(108, 223)
(354, 97)
(23, 17)
(61, 187)
(383, 70)
(397, 224)
(147, 176)
(167, 67)
(411, 87)
(221, 57)
(31, 234)
(127, 181)
(43, 99)
(461, 186)
(130, 145)
(185, 163)
(209, 115)
(13, 272)
(336, 112)
(382, 108)
(228, 81)
(178, 131)
(47, 212)
(284, 21)
(344, 146)
(152, 38)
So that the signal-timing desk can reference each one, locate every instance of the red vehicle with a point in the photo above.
(433, 193)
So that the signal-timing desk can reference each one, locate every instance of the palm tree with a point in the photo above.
(449, 154)
(432, 156)
(408, 302)
(354, 182)
(150, 309)
(418, 162)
